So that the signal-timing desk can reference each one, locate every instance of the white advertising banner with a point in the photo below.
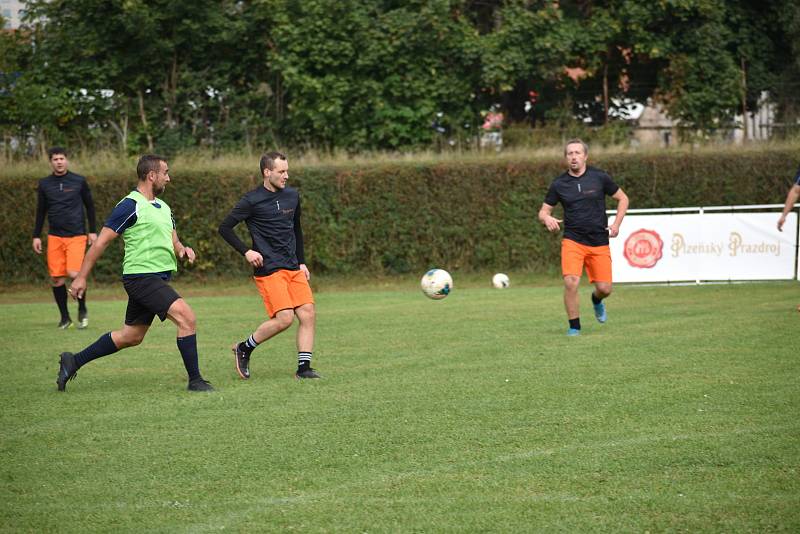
(705, 246)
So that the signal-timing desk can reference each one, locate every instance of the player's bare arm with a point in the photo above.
(622, 208)
(78, 286)
(546, 216)
(182, 251)
(791, 200)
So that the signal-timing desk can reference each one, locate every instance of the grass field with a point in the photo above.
(475, 413)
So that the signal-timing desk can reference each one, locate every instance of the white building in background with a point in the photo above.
(655, 127)
(760, 123)
(12, 11)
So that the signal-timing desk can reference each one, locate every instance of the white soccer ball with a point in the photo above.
(500, 281)
(436, 284)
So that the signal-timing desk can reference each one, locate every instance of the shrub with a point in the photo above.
(407, 217)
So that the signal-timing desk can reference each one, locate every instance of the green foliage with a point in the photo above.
(377, 75)
(615, 133)
(359, 76)
(400, 218)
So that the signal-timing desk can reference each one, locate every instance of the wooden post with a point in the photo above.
(744, 100)
(605, 92)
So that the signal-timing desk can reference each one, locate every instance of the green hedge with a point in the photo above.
(397, 218)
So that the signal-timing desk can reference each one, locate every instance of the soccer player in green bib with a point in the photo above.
(151, 251)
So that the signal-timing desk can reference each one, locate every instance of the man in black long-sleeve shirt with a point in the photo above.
(272, 214)
(62, 197)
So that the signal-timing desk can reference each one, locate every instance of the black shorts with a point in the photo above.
(148, 296)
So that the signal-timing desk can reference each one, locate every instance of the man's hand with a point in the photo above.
(78, 287)
(613, 230)
(254, 258)
(37, 245)
(305, 271)
(552, 224)
(781, 222)
(188, 254)
(91, 239)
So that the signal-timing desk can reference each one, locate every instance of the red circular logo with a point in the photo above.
(643, 249)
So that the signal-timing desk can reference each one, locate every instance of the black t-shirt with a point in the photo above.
(273, 219)
(584, 202)
(62, 199)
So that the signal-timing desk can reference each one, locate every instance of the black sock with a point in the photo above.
(575, 323)
(303, 361)
(596, 300)
(188, 347)
(248, 345)
(102, 347)
(82, 304)
(60, 293)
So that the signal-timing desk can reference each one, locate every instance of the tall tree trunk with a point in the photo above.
(143, 117)
(278, 98)
(605, 92)
(42, 143)
(121, 130)
(171, 92)
(744, 101)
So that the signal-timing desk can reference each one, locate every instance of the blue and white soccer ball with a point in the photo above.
(500, 281)
(436, 284)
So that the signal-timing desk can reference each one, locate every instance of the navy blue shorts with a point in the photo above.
(148, 296)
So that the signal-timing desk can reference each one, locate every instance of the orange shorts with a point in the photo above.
(597, 261)
(65, 254)
(284, 290)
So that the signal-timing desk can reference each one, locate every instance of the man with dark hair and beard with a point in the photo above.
(151, 251)
(64, 198)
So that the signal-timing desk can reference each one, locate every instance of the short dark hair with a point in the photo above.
(56, 150)
(148, 163)
(268, 160)
(576, 141)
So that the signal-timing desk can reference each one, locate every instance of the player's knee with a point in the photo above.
(186, 322)
(130, 339)
(603, 290)
(183, 315)
(571, 283)
(188, 318)
(57, 282)
(189, 321)
(306, 313)
(284, 319)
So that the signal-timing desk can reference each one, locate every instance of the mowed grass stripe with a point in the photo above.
(473, 413)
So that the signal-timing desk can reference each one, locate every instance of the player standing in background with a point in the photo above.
(582, 192)
(151, 251)
(788, 206)
(272, 214)
(62, 196)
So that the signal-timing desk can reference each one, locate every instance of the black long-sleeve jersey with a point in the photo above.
(584, 200)
(273, 219)
(62, 199)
